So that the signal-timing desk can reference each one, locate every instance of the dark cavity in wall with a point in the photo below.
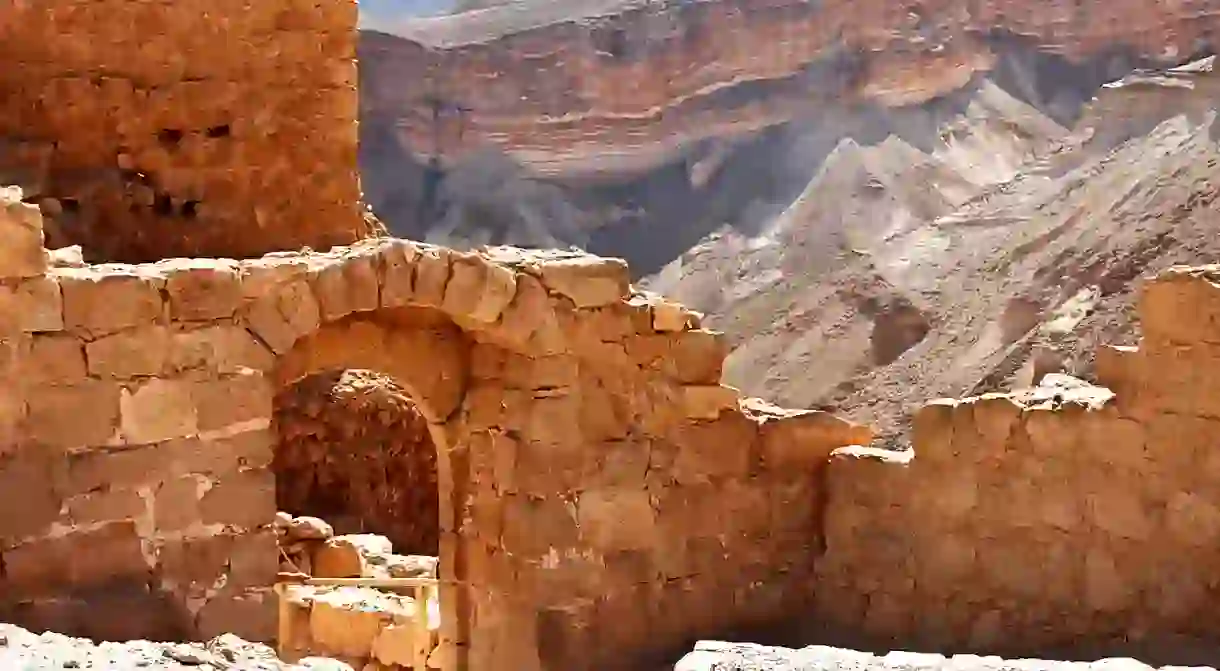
(355, 451)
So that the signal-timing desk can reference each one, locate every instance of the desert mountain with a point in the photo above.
(877, 205)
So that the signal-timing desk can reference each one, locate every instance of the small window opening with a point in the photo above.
(163, 206)
(171, 137)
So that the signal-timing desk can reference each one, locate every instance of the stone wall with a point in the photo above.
(185, 129)
(602, 497)
(1067, 516)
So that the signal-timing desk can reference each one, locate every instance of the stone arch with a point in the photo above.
(608, 493)
(582, 433)
(428, 355)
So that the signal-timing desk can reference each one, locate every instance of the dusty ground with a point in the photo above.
(21, 650)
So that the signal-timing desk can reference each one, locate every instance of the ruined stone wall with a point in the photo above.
(602, 498)
(185, 129)
(1047, 520)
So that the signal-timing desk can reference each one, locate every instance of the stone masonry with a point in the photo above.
(1065, 517)
(222, 128)
(602, 497)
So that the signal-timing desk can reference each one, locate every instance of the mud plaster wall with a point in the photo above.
(223, 128)
(602, 497)
(1027, 523)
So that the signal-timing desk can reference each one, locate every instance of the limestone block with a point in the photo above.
(232, 400)
(40, 304)
(176, 503)
(220, 349)
(106, 506)
(396, 644)
(697, 357)
(21, 250)
(53, 359)
(530, 319)
(29, 499)
(245, 500)
(12, 416)
(250, 614)
(93, 407)
(588, 281)
(268, 274)
(932, 429)
(1105, 589)
(708, 401)
(347, 621)
(397, 260)
(805, 439)
(308, 528)
(433, 268)
(202, 289)
(1182, 305)
(284, 315)
(617, 519)
(158, 410)
(479, 290)
(139, 352)
(105, 299)
(253, 560)
(347, 556)
(671, 317)
(346, 283)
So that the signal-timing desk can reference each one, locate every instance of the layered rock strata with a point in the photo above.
(624, 87)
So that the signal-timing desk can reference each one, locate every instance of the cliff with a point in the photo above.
(613, 87)
(927, 200)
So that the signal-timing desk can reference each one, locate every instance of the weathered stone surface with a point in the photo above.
(169, 156)
(23, 649)
(722, 656)
(21, 250)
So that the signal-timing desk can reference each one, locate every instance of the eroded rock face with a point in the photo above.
(355, 451)
(625, 89)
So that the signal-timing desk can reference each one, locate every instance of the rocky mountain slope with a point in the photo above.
(1009, 246)
(886, 206)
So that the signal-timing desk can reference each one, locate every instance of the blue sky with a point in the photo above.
(373, 12)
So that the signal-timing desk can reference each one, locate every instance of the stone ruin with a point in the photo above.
(602, 500)
(596, 482)
(154, 129)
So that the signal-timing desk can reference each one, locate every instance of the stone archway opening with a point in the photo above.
(364, 416)
(354, 450)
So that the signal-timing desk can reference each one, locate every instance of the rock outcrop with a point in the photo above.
(618, 87)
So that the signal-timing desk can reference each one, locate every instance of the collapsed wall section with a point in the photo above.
(168, 129)
(1065, 518)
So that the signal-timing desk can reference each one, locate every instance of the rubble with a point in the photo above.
(21, 650)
